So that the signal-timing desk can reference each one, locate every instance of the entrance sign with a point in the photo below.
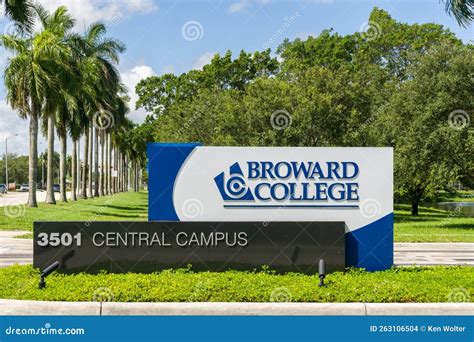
(144, 247)
(190, 182)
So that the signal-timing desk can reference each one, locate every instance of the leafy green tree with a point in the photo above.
(328, 49)
(427, 123)
(17, 169)
(158, 93)
(392, 86)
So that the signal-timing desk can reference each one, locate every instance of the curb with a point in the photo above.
(9, 307)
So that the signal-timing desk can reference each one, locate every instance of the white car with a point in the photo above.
(24, 187)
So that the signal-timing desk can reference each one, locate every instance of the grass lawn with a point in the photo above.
(460, 196)
(406, 284)
(127, 206)
(431, 225)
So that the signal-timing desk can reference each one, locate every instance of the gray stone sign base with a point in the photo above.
(25, 307)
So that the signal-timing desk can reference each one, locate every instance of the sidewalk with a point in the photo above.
(28, 307)
(21, 198)
(13, 250)
(434, 253)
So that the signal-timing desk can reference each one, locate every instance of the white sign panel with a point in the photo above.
(189, 182)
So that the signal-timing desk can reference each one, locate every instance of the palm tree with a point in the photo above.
(462, 10)
(99, 55)
(21, 12)
(77, 123)
(31, 81)
(65, 122)
(57, 104)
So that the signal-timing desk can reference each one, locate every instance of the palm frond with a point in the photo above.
(462, 10)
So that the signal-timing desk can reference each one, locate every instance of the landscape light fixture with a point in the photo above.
(322, 272)
(46, 272)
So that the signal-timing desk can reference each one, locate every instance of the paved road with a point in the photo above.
(13, 250)
(434, 253)
(18, 198)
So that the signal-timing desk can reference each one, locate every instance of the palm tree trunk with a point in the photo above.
(127, 178)
(117, 168)
(78, 168)
(127, 173)
(33, 156)
(119, 173)
(114, 170)
(84, 169)
(91, 143)
(74, 171)
(136, 176)
(107, 164)
(62, 167)
(50, 172)
(139, 176)
(96, 163)
(101, 164)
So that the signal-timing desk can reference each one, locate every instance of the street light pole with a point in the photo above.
(6, 161)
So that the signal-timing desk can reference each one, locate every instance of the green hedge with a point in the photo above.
(407, 284)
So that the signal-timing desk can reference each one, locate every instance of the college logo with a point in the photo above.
(235, 188)
(295, 183)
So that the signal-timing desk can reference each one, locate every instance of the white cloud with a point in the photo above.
(16, 130)
(243, 5)
(238, 6)
(130, 78)
(204, 59)
(10, 125)
(88, 11)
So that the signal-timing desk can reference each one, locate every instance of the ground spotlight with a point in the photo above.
(46, 272)
(322, 272)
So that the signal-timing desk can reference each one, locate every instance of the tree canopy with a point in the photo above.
(395, 85)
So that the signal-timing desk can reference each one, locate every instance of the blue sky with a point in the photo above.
(176, 36)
